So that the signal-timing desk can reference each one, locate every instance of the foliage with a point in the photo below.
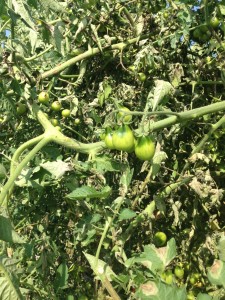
(77, 217)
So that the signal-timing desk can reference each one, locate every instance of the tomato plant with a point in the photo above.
(144, 148)
(123, 138)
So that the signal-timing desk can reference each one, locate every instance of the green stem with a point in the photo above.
(10, 183)
(107, 225)
(4, 25)
(20, 150)
(188, 115)
(201, 144)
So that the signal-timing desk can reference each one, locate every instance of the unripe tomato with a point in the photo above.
(54, 122)
(132, 68)
(58, 128)
(141, 77)
(122, 116)
(179, 272)
(190, 296)
(56, 106)
(43, 97)
(21, 108)
(83, 297)
(168, 277)
(197, 33)
(160, 239)
(123, 138)
(144, 148)
(109, 140)
(77, 121)
(65, 113)
(214, 22)
(165, 15)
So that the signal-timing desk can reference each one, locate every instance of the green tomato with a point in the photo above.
(21, 108)
(214, 22)
(83, 297)
(123, 138)
(122, 116)
(160, 239)
(65, 113)
(56, 106)
(109, 140)
(141, 77)
(132, 68)
(197, 33)
(43, 97)
(58, 128)
(55, 122)
(144, 148)
(168, 277)
(165, 15)
(179, 272)
(203, 28)
(190, 296)
(77, 121)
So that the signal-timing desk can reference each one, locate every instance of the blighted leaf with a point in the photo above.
(157, 160)
(158, 290)
(162, 89)
(57, 168)
(89, 192)
(126, 214)
(7, 233)
(216, 273)
(100, 268)
(176, 74)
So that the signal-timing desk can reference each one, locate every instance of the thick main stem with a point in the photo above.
(13, 176)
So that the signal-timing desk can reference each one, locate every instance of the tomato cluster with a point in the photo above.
(203, 32)
(123, 138)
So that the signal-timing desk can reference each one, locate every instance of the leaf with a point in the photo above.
(157, 290)
(2, 171)
(21, 10)
(57, 168)
(100, 268)
(162, 89)
(58, 36)
(9, 289)
(89, 192)
(61, 277)
(104, 164)
(155, 259)
(7, 233)
(157, 160)
(221, 248)
(53, 5)
(126, 214)
(202, 296)
(216, 273)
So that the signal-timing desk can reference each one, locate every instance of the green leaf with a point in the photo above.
(221, 248)
(2, 171)
(202, 296)
(157, 160)
(21, 10)
(7, 233)
(103, 164)
(89, 192)
(53, 5)
(100, 268)
(9, 288)
(61, 277)
(162, 89)
(126, 214)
